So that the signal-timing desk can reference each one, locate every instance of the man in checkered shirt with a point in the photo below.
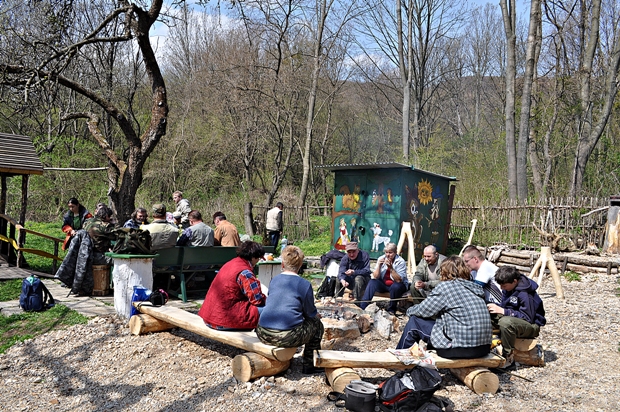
(453, 319)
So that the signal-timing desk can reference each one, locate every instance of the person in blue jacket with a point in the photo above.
(521, 313)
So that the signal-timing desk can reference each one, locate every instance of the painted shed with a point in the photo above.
(372, 200)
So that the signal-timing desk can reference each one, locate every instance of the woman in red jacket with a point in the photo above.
(234, 299)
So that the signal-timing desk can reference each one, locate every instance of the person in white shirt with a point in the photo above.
(483, 273)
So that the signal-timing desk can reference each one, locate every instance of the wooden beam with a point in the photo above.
(249, 365)
(337, 359)
(194, 323)
(480, 380)
(338, 378)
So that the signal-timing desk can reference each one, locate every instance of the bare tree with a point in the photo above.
(49, 61)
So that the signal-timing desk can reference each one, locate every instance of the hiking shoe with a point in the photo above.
(510, 360)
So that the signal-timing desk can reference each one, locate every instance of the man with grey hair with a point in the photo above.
(426, 275)
(390, 275)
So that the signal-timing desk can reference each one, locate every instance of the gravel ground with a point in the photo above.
(100, 366)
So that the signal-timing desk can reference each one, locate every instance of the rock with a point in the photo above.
(364, 322)
(334, 328)
(384, 323)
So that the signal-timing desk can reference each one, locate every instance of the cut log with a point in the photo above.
(525, 261)
(249, 365)
(532, 357)
(194, 323)
(142, 324)
(338, 378)
(480, 380)
(337, 359)
(525, 345)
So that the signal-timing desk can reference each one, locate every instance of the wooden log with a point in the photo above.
(520, 255)
(337, 359)
(244, 340)
(249, 365)
(480, 380)
(532, 357)
(578, 260)
(142, 324)
(514, 261)
(523, 269)
(589, 269)
(525, 345)
(338, 378)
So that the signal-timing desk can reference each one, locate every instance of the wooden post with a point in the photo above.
(546, 260)
(142, 324)
(480, 380)
(612, 229)
(338, 378)
(251, 365)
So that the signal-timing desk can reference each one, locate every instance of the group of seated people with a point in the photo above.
(90, 236)
(287, 317)
(457, 301)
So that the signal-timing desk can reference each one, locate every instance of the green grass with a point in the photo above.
(23, 326)
(10, 289)
(572, 276)
(320, 237)
(39, 263)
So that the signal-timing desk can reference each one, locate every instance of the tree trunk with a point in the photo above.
(510, 17)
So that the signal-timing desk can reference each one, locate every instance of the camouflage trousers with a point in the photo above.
(309, 333)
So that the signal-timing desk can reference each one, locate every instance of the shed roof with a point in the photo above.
(385, 165)
(18, 156)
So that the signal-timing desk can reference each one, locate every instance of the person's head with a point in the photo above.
(218, 217)
(140, 215)
(454, 268)
(159, 211)
(473, 257)
(104, 213)
(74, 205)
(292, 259)
(194, 217)
(352, 250)
(390, 251)
(251, 251)
(430, 254)
(177, 196)
(280, 205)
(99, 206)
(507, 277)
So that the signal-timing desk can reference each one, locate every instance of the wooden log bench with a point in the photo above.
(474, 373)
(186, 262)
(261, 360)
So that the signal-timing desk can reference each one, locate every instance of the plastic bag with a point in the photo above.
(140, 294)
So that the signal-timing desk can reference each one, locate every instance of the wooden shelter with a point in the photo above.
(17, 158)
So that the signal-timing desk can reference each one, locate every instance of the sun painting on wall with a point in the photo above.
(425, 191)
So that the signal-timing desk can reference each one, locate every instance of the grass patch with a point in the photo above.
(40, 263)
(10, 289)
(320, 237)
(572, 276)
(23, 326)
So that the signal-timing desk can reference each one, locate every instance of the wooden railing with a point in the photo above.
(12, 236)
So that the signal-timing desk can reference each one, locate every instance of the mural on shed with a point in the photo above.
(370, 205)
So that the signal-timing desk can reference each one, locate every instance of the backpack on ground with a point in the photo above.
(407, 391)
(35, 297)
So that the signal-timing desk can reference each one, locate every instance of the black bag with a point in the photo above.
(327, 288)
(132, 241)
(358, 396)
(158, 297)
(406, 391)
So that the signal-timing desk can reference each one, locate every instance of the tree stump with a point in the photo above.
(142, 324)
(480, 380)
(338, 378)
(251, 365)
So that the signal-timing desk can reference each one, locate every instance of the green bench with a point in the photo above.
(185, 262)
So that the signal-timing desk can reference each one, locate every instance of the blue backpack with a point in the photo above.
(35, 297)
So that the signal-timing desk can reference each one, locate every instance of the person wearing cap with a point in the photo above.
(163, 234)
(226, 233)
(182, 207)
(354, 271)
(198, 233)
(390, 275)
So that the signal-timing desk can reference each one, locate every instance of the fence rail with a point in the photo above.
(580, 221)
(12, 238)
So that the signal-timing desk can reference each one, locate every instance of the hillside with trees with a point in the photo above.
(242, 101)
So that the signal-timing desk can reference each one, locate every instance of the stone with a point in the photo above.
(335, 329)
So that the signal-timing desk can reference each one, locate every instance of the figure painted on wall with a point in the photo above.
(377, 239)
(425, 190)
(377, 199)
(350, 201)
(354, 237)
(343, 239)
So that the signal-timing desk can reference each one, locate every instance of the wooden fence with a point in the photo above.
(580, 221)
